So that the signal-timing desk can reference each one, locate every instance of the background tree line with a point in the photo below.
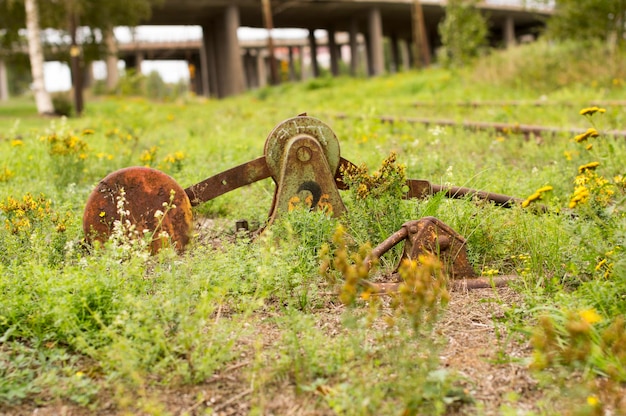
(95, 18)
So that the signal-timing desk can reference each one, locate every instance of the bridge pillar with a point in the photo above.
(405, 56)
(395, 54)
(208, 54)
(224, 62)
(194, 66)
(333, 52)
(203, 70)
(292, 63)
(261, 68)
(375, 32)
(4, 83)
(509, 31)
(231, 78)
(313, 48)
(134, 62)
(249, 67)
(354, 51)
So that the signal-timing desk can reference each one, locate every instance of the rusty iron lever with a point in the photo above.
(430, 235)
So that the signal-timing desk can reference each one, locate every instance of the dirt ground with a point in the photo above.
(493, 368)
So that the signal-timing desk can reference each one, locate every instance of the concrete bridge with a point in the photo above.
(223, 66)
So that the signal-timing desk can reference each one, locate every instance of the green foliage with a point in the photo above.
(463, 33)
(550, 67)
(62, 104)
(601, 20)
(376, 207)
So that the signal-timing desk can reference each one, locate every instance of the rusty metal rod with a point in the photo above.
(525, 129)
(454, 285)
(226, 181)
(518, 103)
(385, 246)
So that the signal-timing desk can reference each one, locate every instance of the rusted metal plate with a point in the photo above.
(431, 235)
(231, 179)
(306, 179)
(276, 142)
(138, 195)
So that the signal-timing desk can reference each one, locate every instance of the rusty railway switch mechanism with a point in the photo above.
(431, 236)
(302, 156)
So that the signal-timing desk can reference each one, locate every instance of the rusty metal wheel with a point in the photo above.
(139, 195)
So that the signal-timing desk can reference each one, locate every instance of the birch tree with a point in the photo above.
(35, 52)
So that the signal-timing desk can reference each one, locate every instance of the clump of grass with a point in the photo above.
(375, 205)
(546, 66)
(68, 153)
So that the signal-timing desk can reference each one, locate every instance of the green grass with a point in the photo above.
(90, 328)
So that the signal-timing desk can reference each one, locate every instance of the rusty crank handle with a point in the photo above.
(257, 169)
(420, 188)
(231, 179)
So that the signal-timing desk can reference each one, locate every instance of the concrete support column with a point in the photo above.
(249, 67)
(138, 62)
(261, 68)
(333, 52)
(305, 71)
(395, 54)
(375, 32)
(195, 74)
(209, 45)
(4, 83)
(509, 32)
(354, 47)
(405, 56)
(231, 78)
(203, 71)
(313, 47)
(292, 64)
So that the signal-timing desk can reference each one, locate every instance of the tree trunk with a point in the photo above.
(111, 60)
(42, 98)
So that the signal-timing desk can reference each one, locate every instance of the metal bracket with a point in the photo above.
(430, 235)
(306, 178)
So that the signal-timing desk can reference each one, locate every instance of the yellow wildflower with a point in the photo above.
(589, 146)
(593, 401)
(545, 189)
(5, 175)
(600, 264)
(589, 111)
(16, 142)
(88, 132)
(536, 195)
(588, 166)
(581, 195)
(591, 132)
(590, 316)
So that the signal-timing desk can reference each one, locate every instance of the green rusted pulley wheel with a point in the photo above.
(278, 138)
